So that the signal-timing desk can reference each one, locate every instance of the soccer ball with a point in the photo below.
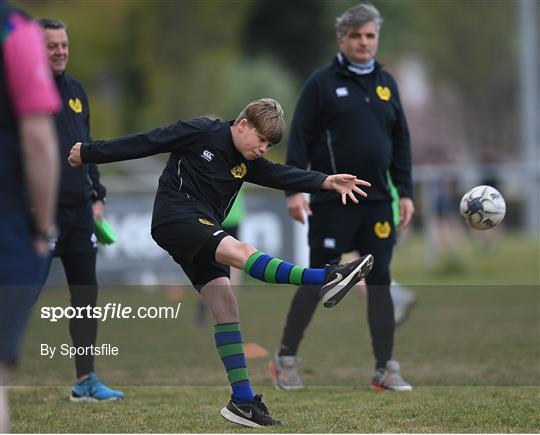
(482, 207)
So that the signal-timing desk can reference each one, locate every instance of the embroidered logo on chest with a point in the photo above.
(342, 92)
(239, 171)
(207, 155)
(384, 93)
(75, 105)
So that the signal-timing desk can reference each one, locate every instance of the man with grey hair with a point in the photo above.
(356, 17)
(349, 118)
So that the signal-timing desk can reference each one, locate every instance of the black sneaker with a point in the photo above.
(342, 277)
(251, 414)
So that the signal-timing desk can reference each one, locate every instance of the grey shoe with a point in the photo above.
(284, 372)
(403, 299)
(389, 378)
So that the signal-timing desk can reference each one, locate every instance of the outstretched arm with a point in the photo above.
(283, 177)
(135, 146)
(346, 185)
(130, 147)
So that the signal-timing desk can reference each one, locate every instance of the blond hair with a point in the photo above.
(266, 115)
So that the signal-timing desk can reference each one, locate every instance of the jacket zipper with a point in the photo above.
(230, 202)
(93, 191)
(181, 179)
(331, 151)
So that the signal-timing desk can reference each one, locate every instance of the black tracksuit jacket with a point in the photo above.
(204, 169)
(346, 123)
(81, 184)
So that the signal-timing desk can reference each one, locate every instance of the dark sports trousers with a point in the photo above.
(76, 247)
(334, 230)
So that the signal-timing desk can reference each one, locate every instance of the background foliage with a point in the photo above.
(148, 63)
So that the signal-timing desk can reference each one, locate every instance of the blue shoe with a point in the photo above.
(91, 389)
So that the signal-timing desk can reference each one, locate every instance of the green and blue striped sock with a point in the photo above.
(269, 269)
(231, 351)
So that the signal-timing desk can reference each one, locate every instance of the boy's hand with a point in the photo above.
(345, 184)
(74, 158)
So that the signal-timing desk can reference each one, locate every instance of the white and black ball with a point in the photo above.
(482, 207)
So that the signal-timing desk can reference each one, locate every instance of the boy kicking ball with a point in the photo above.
(209, 160)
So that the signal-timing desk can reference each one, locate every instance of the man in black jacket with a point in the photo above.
(80, 201)
(208, 162)
(349, 118)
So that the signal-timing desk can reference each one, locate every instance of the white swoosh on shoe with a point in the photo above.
(244, 413)
(338, 278)
(329, 294)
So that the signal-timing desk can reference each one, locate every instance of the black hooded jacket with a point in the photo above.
(81, 184)
(205, 170)
(349, 123)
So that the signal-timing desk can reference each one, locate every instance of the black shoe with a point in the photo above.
(341, 278)
(252, 414)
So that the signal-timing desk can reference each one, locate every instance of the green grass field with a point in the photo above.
(471, 348)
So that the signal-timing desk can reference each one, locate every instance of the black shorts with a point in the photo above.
(353, 227)
(75, 231)
(191, 240)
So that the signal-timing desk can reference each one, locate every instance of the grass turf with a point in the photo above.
(471, 351)
(323, 410)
